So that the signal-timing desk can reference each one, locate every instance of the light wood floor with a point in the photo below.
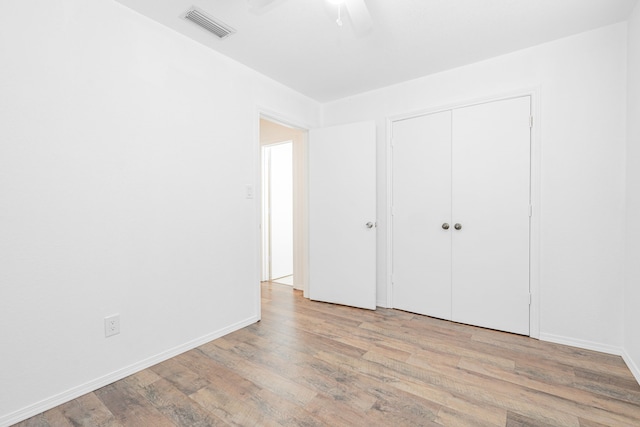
(315, 364)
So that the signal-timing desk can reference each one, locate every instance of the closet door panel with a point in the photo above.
(490, 191)
(421, 205)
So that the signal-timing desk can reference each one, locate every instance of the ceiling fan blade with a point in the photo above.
(359, 15)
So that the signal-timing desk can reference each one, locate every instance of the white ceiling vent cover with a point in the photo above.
(219, 29)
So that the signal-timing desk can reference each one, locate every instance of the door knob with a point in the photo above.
(369, 225)
(445, 226)
(458, 226)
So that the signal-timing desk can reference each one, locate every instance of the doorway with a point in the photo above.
(283, 206)
(277, 212)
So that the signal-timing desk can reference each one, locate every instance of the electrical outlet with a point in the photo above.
(112, 325)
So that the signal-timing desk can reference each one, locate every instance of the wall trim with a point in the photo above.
(88, 387)
(584, 344)
(594, 346)
(389, 168)
(635, 370)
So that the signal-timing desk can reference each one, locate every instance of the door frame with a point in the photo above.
(301, 184)
(535, 186)
(266, 188)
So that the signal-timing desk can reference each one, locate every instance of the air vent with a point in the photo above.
(219, 29)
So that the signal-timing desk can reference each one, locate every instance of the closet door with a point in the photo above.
(421, 205)
(490, 193)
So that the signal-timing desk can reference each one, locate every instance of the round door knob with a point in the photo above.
(458, 226)
(369, 225)
(445, 226)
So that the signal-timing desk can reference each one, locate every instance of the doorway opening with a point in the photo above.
(283, 206)
(277, 212)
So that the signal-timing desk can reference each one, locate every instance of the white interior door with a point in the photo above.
(281, 209)
(342, 201)
(421, 208)
(490, 193)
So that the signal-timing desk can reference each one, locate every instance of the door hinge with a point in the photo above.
(393, 211)
(529, 299)
(530, 211)
(530, 121)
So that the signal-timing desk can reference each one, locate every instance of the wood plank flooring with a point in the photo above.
(313, 364)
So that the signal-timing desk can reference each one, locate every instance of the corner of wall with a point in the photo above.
(631, 332)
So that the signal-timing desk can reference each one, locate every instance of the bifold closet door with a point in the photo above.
(421, 206)
(490, 200)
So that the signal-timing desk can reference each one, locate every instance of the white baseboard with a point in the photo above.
(382, 304)
(75, 392)
(603, 348)
(587, 345)
(631, 364)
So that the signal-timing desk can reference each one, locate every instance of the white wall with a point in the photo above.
(125, 151)
(581, 82)
(632, 291)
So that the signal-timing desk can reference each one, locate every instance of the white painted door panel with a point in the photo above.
(421, 205)
(490, 194)
(342, 200)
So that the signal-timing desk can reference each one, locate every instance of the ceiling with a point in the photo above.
(297, 42)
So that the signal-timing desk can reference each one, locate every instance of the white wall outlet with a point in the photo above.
(112, 325)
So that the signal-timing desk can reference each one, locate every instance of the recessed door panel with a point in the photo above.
(422, 215)
(490, 202)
